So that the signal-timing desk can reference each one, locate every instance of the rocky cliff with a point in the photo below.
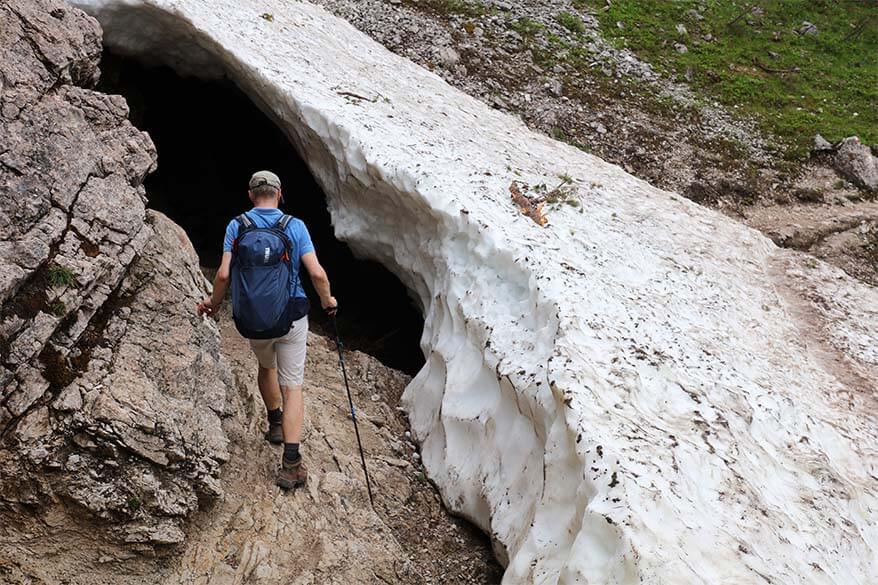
(112, 398)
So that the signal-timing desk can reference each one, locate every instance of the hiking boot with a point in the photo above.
(292, 475)
(275, 434)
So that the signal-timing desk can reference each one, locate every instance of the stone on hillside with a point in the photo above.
(807, 28)
(821, 144)
(855, 162)
(555, 87)
(448, 57)
(808, 194)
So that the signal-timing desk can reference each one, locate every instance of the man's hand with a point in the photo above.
(330, 305)
(206, 307)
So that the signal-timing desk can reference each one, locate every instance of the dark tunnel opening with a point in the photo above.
(210, 138)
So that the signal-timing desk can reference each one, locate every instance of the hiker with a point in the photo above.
(262, 254)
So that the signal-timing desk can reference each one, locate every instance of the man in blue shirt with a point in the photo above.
(281, 360)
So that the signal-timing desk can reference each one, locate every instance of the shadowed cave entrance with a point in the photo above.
(210, 138)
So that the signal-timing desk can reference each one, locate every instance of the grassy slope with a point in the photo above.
(832, 88)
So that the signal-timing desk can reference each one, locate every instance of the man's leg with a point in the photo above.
(291, 373)
(270, 391)
(269, 388)
(294, 414)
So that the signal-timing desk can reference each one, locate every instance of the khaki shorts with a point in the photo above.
(286, 353)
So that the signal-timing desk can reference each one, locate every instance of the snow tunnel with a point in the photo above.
(210, 138)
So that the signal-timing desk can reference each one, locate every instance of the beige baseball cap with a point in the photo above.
(260, 178)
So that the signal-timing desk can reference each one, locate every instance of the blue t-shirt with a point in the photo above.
(296, 231)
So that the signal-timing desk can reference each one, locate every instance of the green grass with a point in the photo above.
(526, 27)
(61, 276)
(559, 134)
(461, 7)
(794, 85)
(58, 308)
(571, 22)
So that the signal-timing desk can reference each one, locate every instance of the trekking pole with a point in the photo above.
(351, 403)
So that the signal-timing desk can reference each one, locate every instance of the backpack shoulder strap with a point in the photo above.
(245, 221)
(283, 222)
(281, 226)
(245, 225)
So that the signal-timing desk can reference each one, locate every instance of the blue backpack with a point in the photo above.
(262, 269)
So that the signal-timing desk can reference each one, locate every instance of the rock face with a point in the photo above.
(639, 391)
(111, 402)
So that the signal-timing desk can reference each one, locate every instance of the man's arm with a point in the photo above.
(220, 286)
(320, 281)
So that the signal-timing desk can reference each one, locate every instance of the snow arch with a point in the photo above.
(641, 391)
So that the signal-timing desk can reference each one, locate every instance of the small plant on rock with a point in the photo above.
(571, 22)
(559, 134)
(134, 503)
(526, 27)
(58, 308)
(61, 276)
(462, 7)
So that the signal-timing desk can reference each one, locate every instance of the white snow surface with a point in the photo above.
(642, 391)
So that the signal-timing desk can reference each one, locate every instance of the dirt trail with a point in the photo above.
(842, 235)
(326, 532)
(816, 310)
